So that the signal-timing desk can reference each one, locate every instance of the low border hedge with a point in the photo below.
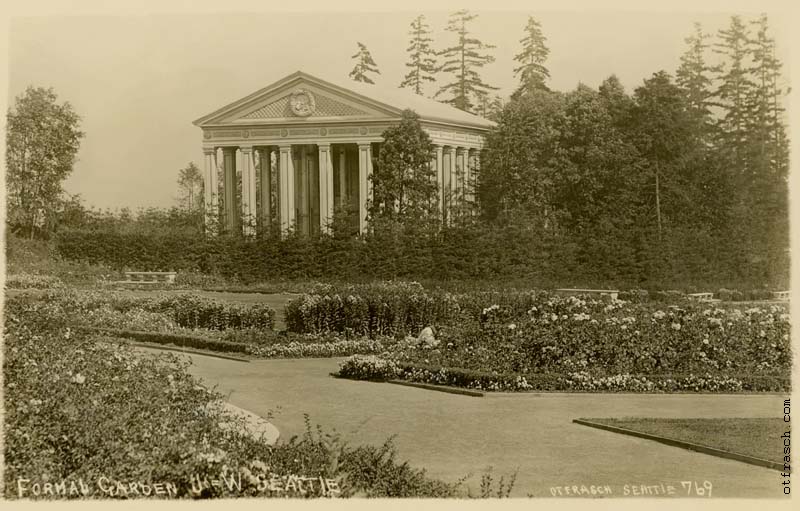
(183, 340)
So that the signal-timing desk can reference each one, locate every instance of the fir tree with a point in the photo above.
(364, 64)
(463, 60)
(766, 125)
(422, 59)
(532, 71)
(735, 86)
(693, 75)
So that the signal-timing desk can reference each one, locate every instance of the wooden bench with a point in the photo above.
(701, 297)
(148, 277)
(612, 293)
(782, 295)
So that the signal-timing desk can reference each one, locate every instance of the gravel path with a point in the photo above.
(452, 435)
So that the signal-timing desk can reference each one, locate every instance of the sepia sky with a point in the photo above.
(138, 81)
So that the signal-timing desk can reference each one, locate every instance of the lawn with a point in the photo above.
(759, 438)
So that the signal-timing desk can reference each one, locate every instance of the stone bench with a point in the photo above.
(148, 277)
(782, 295)
(612, 293)
(701, 297)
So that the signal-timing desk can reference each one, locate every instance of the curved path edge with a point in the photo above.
(254, 425)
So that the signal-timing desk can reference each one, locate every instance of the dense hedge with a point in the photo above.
(540, 258)
(181, 340)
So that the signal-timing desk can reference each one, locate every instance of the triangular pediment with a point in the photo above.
(299, 98)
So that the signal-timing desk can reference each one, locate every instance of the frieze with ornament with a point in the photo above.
(304, 132)
(343, 131)
(265, 133)
(227, 134)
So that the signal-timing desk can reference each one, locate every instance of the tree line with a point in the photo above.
(690, 167)
(682, 179)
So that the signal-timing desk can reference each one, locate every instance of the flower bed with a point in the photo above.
(81, 411)
(576, 344)
(375, 368)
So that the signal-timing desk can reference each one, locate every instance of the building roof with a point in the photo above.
(391, 99)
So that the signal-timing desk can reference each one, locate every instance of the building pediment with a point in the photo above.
(299, 98)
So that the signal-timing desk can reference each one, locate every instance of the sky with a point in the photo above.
(139, 80)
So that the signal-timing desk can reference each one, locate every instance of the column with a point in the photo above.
(342, 177)
(229, 182)
(440, 178)
(286, 178)
(364, 174)
(248, 191)
(448, 173)
(265, 179)
(461, 172)
(209, 178)
(325, 187)
(472, 173)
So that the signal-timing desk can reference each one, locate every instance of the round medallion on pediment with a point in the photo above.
(323, 131)
(363, 131)
(206, 135)
(246, 134)
(284, 132)
(302, 103)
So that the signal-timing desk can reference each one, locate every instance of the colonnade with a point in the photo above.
(259, 185)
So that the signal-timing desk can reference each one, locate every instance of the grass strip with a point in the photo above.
(756, 441)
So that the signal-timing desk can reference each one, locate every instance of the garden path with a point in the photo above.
(453, 435)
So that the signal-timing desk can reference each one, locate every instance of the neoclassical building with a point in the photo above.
(295, 150)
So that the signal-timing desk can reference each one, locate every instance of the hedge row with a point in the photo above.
(541, 259)
(180, 340)
(288, 348)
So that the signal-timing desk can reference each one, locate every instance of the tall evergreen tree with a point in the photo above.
(532, 72)
(665, 135)
(364, 65)
(463, 60)
(734, 88)
(765, 207)
(422, 58)
(694, 74)
(766, 125)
